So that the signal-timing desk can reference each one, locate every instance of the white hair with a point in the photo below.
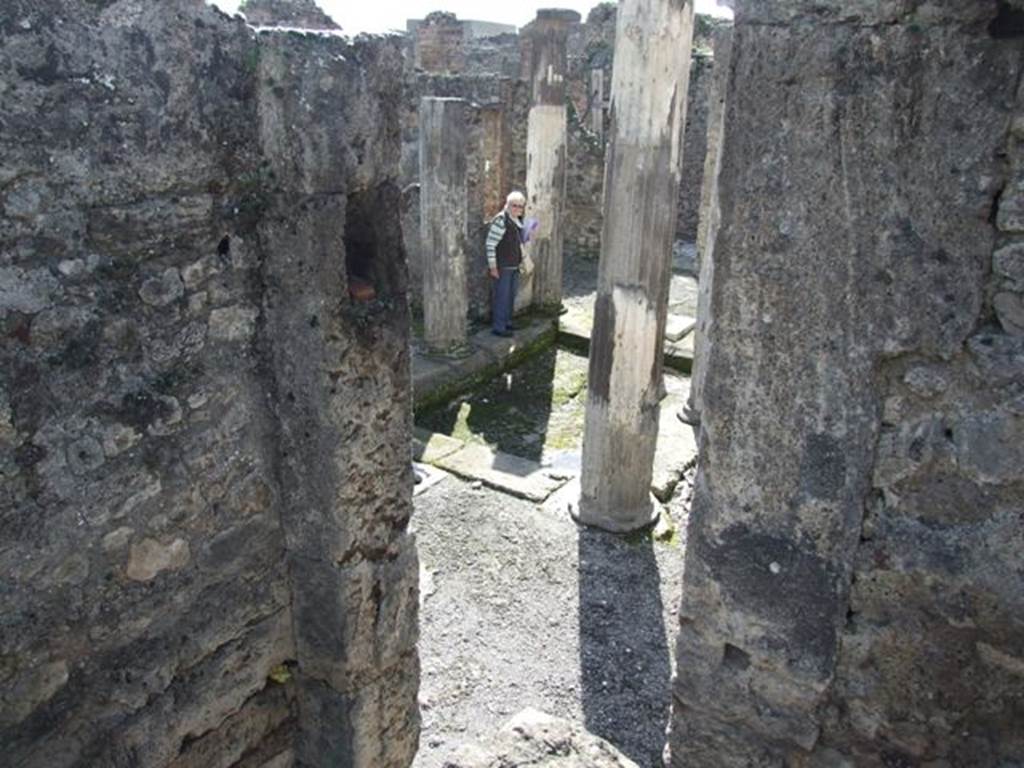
(515, 197)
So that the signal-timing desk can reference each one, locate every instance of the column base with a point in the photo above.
(587, 512)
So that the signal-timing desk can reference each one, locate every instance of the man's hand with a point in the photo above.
(494, 272)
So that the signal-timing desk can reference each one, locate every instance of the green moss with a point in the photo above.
(442, 395)
(280, 674)
(522, 410)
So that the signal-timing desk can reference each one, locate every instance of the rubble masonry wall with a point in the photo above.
(203, 440)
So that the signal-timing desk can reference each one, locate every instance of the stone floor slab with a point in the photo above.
(430, 447)
(676, 449)
(441, 377)
(677, 326)
(502, 471)
(428, 477)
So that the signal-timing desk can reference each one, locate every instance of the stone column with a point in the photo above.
(443, 214)
(649, 89)
(597, 102)
(545, 155)
(852, 561)
(710, 216)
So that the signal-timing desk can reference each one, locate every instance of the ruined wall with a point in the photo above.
(496, 164)
(203, 440)
(494, 54)
(853, 592)
(438, 44)
(301, 14)
(590, 46)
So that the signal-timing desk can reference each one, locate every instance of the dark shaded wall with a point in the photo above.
(853, 586)
(203, 439)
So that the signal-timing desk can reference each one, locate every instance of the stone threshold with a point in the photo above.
(502, 471)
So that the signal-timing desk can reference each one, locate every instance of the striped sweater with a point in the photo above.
(494, 235)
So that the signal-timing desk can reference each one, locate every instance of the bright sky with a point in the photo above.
(382, 15)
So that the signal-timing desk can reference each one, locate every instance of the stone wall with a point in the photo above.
(852, 593)
(695, 143)
(203, 438)
(591, 46)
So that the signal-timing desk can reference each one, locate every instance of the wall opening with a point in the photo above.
(1008, 23)
(374, 255)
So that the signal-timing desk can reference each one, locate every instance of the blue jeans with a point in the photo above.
(504, 298)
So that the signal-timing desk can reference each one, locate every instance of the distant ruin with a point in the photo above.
(210, 242)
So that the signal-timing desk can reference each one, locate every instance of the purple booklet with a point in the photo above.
(529, 227)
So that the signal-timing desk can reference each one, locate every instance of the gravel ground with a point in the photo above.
(520, 607)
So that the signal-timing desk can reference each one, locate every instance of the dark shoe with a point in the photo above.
(504, 334)
(511, 327)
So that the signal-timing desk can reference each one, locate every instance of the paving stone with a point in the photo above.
(676, 450)
(428, 477)
(678, 326)
(514, 475)
(429, 447)
(575, 325)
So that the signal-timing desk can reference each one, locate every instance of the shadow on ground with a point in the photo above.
(534, 408)
(625, 668)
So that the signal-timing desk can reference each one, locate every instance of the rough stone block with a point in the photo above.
(512, 474)
(1010, 218)
(355, 620)
(1010, 311)
(1008, 263)
(533, 738)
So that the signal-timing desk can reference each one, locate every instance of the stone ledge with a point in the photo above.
(438, 378)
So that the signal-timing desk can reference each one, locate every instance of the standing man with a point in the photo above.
(504, 255)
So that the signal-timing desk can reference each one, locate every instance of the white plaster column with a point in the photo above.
(546, 140)
(648, 113)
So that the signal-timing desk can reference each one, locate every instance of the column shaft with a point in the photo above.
(545, 154)
(443, 220)
(649, 90)
(710, 214)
